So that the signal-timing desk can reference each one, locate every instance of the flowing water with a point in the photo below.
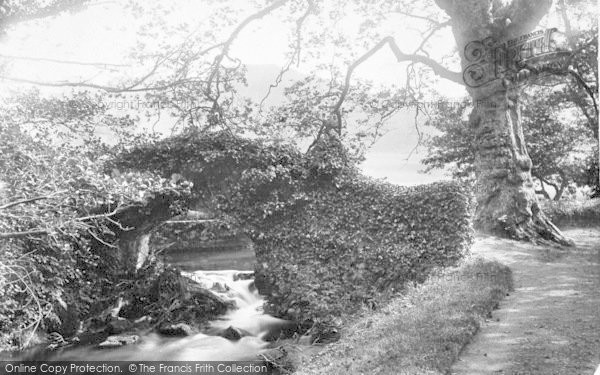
(248, 318)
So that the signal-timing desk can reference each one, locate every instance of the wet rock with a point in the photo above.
(252, 287)
(273, 355)
(56, 340)
(326, 336)
(305, 340)
(118, 341)
(280, 330)
(233, 334)
(179, 329)
(263, 283)
(142, 323)
(118, 325)
(243, 276)
(220, 288)
(68, 320)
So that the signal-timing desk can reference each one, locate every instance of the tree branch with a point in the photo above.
(586, 87)
(227, 45)
(23, 234)
(29, 200)
(295, 55)
(400, 56)
(434, 65)
(66, 62)
(53, 9)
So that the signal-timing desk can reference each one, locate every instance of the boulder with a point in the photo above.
(118, 341)
(68, 316)
(233, 333)
(220, 287)
(243, 276)
(179, 329)
(118, 325)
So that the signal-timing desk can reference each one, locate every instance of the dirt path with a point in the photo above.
(550, 324)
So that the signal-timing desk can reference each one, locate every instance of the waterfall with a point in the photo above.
(247, 317)
(143, 250)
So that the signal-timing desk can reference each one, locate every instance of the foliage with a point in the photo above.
(372, 236)
(455, 145)
(59, 215)
(317, 225)
(14, 12)
(557, 145)
(164, 295)
(574, 212)
(421, 332)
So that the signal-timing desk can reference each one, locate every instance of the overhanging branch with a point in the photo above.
(431, 63)
(66, 62)
(227, 45)
(400, 56)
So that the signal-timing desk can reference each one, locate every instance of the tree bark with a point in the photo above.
(506, 200)
(564, 182)
(543, 191)
(507, 204)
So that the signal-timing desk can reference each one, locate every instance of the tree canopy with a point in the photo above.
(186, 58)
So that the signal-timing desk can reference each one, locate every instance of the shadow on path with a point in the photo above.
(550, 324)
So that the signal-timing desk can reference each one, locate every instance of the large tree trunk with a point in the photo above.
(506, 198)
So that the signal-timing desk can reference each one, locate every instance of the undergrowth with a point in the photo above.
(420, 333)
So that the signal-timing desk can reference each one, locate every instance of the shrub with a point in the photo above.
(356, 240)
(419, 333)
(60, 219)
(573, 212)
(318, 226)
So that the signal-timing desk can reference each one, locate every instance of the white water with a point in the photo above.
(249, 315)
(205, 346)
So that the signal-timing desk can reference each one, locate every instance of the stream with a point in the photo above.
(247, 318)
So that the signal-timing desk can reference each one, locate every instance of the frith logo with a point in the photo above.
(537, 52)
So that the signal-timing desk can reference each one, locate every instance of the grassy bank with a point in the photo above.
(421, 333)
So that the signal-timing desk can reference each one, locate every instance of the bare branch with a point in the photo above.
(29, 200)
(400, 56)
(66, 62)
(429, 35)
(586, 87)
(46, 231)
(23, 234)
(100, 216)
(110, 89)
(100, 240)
(417, 16)
(337, 107)
(295, 55)
(227, 45)
(434, 65)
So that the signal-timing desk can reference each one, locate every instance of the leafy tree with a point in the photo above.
(58, 210)
(558, 148)
(197, 65)
(13, 12)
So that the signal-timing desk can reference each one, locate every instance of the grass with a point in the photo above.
(420, 333)
(573, 212)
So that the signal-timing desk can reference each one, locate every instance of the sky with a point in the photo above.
(102, 33)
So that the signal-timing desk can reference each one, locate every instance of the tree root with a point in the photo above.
(537, 229)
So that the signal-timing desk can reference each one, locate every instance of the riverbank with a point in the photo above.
(419, 333)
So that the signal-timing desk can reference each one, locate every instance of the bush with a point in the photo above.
(354, 241)
(573, 212)
(419, 333)
(62, 225)
(318, 226)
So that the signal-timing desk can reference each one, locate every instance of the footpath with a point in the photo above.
(550, 324)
